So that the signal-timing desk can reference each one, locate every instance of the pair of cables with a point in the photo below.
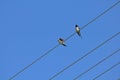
(47, 52)
(92, 49)
(86, 54)
(101, 61)
(115, 65)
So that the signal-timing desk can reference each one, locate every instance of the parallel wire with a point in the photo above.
(39, 58)
(107, 71)
(94, 19)
(34, 62)
(96, 64)
(84, 55)
(101, 14)
(82, 29)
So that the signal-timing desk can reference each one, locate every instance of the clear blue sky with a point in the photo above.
(28, 28)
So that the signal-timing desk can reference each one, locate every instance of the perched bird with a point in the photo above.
(77, 30)
(61, 41)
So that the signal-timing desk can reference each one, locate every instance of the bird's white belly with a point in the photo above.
(77, 29)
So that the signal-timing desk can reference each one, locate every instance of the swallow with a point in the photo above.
(61, 41)
(77, 30)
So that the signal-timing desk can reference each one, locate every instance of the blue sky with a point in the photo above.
(28, 28)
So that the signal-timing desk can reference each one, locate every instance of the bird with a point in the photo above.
(61, 41)
(77, 30)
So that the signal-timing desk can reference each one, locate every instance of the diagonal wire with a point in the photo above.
(96, 64)
(94, 19)
(101, 14)
(85, 55)
(107, 71)
(34, 62)
(39, 58)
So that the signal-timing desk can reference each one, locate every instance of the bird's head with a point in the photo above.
(61, 39)
(76, 25)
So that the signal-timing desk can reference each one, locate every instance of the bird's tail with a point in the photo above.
(63, 44)
(80, 35)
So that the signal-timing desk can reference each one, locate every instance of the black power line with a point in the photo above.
(88, 24)
(39, 58)
(84, 55)
(94, 19)
(33, 62)
(96, 65)
(101, 14)
(107, 71)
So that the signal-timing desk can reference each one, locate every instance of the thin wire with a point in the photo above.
(34, 62)
(70, 36)
(39, 58)
(96, 64)
(86, 26)
(94, 19)
(107, 71)
(84, 56)
(101, 14)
